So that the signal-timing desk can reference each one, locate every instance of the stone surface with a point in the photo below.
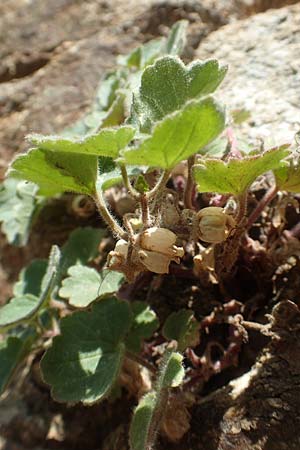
(264, 71)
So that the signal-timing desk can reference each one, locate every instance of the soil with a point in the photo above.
(52, 56)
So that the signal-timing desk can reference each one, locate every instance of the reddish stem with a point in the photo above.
(267, 198)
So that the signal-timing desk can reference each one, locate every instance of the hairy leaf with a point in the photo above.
(179, 135)
(236, 175)
(147, 415)
(84, 285)
(30, 278)
(288, 178)
(19, 205)
(168, 84)
(144, 323)
(107, 142)
(83, 363)
(57, 172)
(182, 327)
(24, 307)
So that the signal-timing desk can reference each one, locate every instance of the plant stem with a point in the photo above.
(189, 188)
(145, 211)
(267, 198)
(159, 185)
(242, 210)
(141, 361)
(107, 216)
(133, 192)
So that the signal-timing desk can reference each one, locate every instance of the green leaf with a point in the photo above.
(84, 362)
(182, 327)
(177, 38)
(144, 323)
(141, 184)
(179, 135)
(19, 205)
(57, 172)
(236, 175)
(146, 417)
(141, 422)
(116, 113)
(168, 84)
(288, 178)
(84, 285)
(172, 371)
(30, 278)
(24, 308)
(107, 142)
(81, 247)
(110, 174)
(12, 352)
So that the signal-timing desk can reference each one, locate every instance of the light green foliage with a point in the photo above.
(144, 55)
(107, 142)
(30, 278)
(84, 285)
(182, 327)
(107, 109)
(144, 323)
(141, 421)
(141, 184)
(25, 306)
(12, 351)
(168, 84)
(84, 361)
(288, 178)
(18, 208)
(179, 135)
(236, 175)
(57, 172)
(147, 414)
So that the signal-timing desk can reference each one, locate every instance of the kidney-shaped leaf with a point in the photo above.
(57, 172)
(179, 135)
(144, 323)
(168, 84)
(107, 142)
(25, 306)
(236, 175)
(84, 285)
(182, 327)
(83, 363)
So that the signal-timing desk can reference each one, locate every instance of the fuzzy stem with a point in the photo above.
(267, 198)
(242, 210)
(141, 361)
(159, 185)
(189, 188)
(107, 216)
(145, 211)
(133, 192)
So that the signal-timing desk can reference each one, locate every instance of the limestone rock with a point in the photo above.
(264, 71)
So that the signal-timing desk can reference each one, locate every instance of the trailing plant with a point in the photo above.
(154, 144)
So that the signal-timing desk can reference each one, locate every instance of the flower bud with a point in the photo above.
(158, 249)
(160, 240)
(214, 225)
(117, 257)
(154, 261)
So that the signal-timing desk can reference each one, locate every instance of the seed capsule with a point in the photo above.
(214, 225)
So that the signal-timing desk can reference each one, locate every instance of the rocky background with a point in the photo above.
(52, 55)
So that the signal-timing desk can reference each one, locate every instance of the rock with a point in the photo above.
(264, 71)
